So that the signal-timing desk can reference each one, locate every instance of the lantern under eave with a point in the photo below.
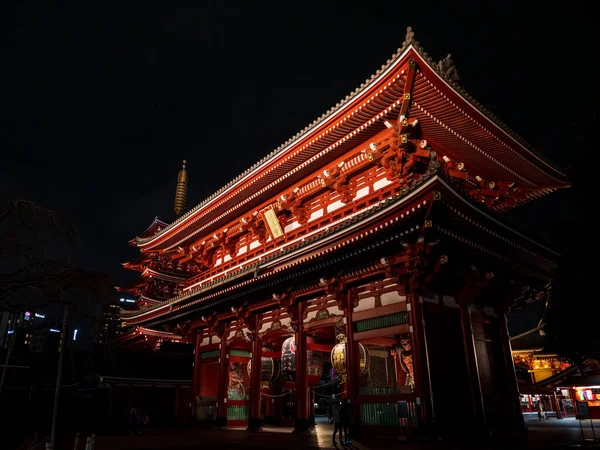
(314, 360)
(269, 369)
(338, 357)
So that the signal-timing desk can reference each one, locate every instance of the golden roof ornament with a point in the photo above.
(181, 192)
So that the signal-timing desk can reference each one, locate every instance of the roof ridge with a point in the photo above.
(409, 41)
(528, 332)
(461, 90)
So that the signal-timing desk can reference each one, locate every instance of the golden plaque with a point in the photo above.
(272, 222)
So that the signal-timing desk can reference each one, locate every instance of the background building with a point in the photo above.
(112, 325)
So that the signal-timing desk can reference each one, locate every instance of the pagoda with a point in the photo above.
(370, 251)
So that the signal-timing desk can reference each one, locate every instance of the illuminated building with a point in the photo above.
(112, 325)
(375, 238)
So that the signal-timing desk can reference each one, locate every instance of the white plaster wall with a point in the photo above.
(254, 244)
(335, 205)
(361, 192)
(291, 226)
(390, 298)
(265, 326)
(365, 303)
(381, 183)
(489, 311)
(216, 340)
(449, 302)
(242, 250)
(316, 214)
(205, 341)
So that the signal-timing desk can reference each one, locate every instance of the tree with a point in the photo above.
(39, 251)
(38, 259)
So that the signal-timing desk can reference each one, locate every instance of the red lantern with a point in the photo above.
(314, 362)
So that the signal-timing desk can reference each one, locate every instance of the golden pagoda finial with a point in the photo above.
(181, 192)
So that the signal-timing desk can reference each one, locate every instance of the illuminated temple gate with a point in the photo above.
(374, 238)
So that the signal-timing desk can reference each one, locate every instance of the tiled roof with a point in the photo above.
(533, 339)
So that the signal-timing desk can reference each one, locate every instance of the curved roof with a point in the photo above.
(532, 340)
(450, 118)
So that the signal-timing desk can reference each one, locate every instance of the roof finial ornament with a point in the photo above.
(410, 35)
(181, 192)
(447, 69)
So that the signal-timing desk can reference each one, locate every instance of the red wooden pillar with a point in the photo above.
(302, 416)
(420, 372)
(223, 379)
(511, 375)
(352, 358)
(177, 403)
(557, 406)
(254, 422)
(197, 338)
(471, 360)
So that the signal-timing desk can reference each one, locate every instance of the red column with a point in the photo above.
(196, 375)
(420, 373)
(302, 422)
(557, 406)
(176, 406)
(352, 358)
(511, 375)
(223, 379)
(254, 422)
(471, 361)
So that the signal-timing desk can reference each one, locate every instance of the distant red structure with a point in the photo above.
(375, 238)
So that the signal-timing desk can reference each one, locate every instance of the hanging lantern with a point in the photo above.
(269, 369)
(314, 362)
(338, 357)
(314, 367)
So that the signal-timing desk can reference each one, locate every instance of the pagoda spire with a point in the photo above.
(181, 192)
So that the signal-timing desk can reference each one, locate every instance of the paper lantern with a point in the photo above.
(338, 357)
(314, 362)
(270, 369)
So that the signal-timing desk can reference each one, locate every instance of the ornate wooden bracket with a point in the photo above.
(335, 287)
(288, 302)
(290, 201)
(242, 313)
(214, 325)
(230, 242)
(334, 178)
(474, 283)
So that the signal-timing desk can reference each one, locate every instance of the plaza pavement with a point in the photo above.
(550, 434)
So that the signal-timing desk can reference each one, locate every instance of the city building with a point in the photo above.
(18, 325)
(43, 339)
(371, 248)
(112, 325)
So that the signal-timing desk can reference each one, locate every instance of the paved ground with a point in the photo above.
(550, 434)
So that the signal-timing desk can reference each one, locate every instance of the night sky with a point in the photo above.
(101, 103)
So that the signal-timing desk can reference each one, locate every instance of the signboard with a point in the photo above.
(583, 410)
(272, 222)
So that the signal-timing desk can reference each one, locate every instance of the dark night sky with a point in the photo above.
(100, 104)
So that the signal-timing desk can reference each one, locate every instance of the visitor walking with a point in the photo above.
(142, 420)
(337, 421)
(133, 420)
(346, 416)
(540, 410)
